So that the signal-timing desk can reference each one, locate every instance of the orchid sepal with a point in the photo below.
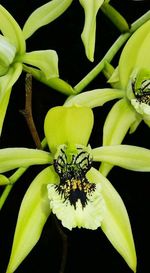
(119, 120)
(89, 31)
(32, 217)
(117, 19)
(94, 98)
(45, 60)
(12, 158)
(55, 83)
(44, 15)
(115, 223)
(126, 156)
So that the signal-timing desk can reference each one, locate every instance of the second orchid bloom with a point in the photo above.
(70, 186)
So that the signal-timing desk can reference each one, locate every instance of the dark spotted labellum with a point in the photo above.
(72, 169)
(142, 93)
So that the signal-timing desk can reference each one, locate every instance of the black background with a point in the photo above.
(88, 251)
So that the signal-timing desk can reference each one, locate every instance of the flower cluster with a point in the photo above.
(69, 185)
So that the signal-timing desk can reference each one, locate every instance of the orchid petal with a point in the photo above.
(68, 125)
(95, 97)
(45, 15)
(130, 53)
(116, 224)
(11, 30)
(6, 83)
(7, 54)
(45, 60)
(33, 214)
(12, 158)
(55, 83)
(119, 120)
(126, 156)
(144, 51)
(88, 35)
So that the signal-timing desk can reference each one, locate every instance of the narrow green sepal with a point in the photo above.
(116, 223)
(95, 98)
(126, 156)
(55, 83)
(6, 83)
(89, 31)
(32, 217)
(118, 20)
(119, 120)
(11, 30)
(12, 158)
(44, 15)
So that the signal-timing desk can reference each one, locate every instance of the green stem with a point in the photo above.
(13, 178)
(111, 53)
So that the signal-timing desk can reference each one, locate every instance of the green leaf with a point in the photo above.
(130, 53)
(6, 83)
(45, 15)
(33, 214)
(88, 35)
(95, 97)
(11, 30)
(115, 224)
(125, 156)
(119, 120)
(68, 125)
(55, 83)
(45, 60)
(12, 158)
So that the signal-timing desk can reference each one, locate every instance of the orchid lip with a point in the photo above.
(75, 194)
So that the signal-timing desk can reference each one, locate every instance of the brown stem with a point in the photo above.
(27, 112)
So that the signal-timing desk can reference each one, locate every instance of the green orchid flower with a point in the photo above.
(53, 9)
(70, 186)
(43, 65)
(131, 85)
